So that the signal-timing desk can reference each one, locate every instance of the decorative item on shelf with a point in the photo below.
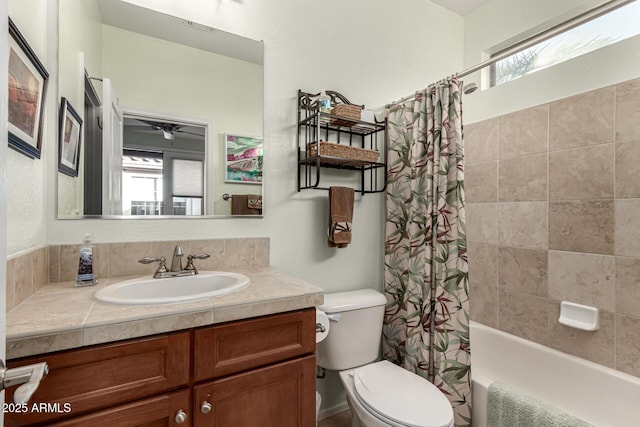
(342, 151)
(368, 116)
(347, 111)
(324, 103)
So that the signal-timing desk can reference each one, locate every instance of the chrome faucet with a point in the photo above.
(176, 269)
(176, 261)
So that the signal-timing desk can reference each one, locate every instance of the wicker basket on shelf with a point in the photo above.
(331, 149)
(347, 111)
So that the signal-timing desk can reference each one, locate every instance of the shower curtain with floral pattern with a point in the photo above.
(426, 326)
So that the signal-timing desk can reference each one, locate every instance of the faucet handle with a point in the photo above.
(190, 265)
(148, 260)
(162, 267)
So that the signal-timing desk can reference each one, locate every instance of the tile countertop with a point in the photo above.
(60, 316)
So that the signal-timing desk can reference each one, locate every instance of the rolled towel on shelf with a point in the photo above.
(340, 216)
(254, 201)
(246, 204)
(508, 406)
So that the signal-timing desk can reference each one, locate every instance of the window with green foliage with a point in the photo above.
(599, 32)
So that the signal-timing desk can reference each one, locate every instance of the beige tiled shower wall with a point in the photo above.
(553, 214)
(59, 263)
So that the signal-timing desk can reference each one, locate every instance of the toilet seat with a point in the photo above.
(401, 398)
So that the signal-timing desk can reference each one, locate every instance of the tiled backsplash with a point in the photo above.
(26, 274)
(553, 203)
(59, 263)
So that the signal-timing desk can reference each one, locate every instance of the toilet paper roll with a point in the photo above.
(322, 325)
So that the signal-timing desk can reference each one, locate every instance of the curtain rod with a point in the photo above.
(528, 42)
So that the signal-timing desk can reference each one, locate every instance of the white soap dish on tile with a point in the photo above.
(579, 316)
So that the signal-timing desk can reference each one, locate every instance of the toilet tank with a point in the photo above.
(355, 329)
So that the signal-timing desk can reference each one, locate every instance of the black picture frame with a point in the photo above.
(69, 139)
(28, 81)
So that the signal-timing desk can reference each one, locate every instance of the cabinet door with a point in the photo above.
(238, 346)
(281, 395)
(156, 411)
(102, 376)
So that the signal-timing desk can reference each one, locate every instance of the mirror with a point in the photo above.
(183, 91)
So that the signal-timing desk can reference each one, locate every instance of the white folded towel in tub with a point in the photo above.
(508, 406)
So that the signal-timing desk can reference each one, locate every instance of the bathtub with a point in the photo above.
(597, 394)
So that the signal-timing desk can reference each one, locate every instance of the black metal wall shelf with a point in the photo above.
(315, 125)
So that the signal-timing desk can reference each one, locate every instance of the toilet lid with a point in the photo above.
(401, 397)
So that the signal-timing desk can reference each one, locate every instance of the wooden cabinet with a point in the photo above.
(163, 410)
(251, 372)
(235, 347)
(102, 376)
(273, 396)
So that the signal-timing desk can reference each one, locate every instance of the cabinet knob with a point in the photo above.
(180, 417)
(206, 407)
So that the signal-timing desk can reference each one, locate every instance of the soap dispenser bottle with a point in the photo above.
(86, 264)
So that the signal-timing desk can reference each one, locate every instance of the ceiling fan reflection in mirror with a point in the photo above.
(168, 129)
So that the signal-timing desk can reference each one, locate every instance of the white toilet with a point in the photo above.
(380, 394)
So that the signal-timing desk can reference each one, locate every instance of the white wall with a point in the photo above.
(25, 176)
(80, 31)
(155, 75)
(501, 20)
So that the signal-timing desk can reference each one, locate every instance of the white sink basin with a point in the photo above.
(147, 290)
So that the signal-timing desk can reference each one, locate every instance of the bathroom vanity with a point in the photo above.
(244, 359)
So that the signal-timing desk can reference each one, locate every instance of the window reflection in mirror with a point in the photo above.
(163, 167)
(141, 183)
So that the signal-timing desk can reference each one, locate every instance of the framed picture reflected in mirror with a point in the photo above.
(69, 139)
(243, 159)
